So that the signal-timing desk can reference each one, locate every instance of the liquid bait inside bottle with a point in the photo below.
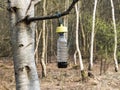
(62, 52)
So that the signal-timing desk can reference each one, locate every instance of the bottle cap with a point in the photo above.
(61, 28)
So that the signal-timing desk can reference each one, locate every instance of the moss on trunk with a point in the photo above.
(84, 76)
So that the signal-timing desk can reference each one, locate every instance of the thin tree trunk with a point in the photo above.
(22, 37)
(46, 47)
(83, 75)
(37, 42)
(115, 36)
(36, 48)
(51, 48)
(92, 37)
(44, 73)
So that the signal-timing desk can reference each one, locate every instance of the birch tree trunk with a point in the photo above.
(36, 50)
(22, 37)
(115, 36)
(37, 42)
(92, 37)
(77, 43)
(43, 48)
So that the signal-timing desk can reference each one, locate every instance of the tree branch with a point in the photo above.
(52, 16)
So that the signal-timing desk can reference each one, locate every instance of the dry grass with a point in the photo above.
(63, 79)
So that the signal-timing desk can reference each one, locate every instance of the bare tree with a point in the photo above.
(22, 37)
(43, 48)
(36, 48)
(77, 43)
(115, 36)
(92, 37)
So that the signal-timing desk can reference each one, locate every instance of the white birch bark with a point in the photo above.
(92, 36)
(115, 36)
(77, 41)
(22, 37)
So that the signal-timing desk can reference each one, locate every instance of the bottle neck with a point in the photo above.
(61, 34)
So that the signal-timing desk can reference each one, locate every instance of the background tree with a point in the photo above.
(115, 36)
(92, 37)
(44, 43)
(77, 43)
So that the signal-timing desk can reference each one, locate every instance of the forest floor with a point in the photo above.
(64, 79)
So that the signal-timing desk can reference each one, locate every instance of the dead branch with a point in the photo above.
(31, 19)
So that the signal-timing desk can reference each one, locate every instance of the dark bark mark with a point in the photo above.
(12, 9)
(22, 69)
(21, 45)
(90, 74)
(15, 9)
(116, 69)
(27, 68)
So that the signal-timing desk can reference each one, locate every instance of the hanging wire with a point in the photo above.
(60, 20)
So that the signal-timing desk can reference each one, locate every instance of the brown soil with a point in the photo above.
(63, 79)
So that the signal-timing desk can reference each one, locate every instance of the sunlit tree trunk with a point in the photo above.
(23, 39)
(77, 43)
(43, 48)
(36, 50)
(38, 35)
(92, 37)
(115, 36)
